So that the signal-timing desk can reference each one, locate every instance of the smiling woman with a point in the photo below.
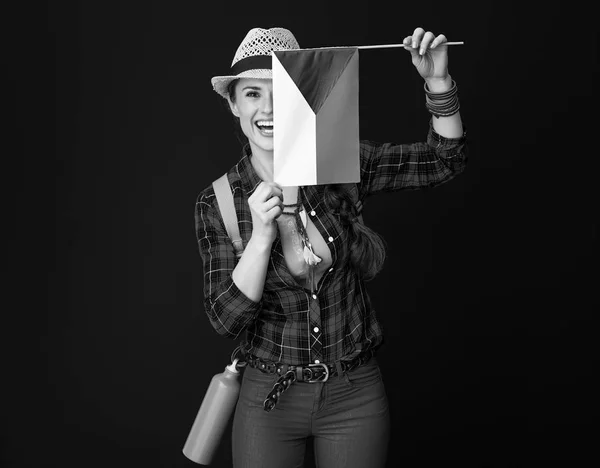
(251, 101)
(298, 290)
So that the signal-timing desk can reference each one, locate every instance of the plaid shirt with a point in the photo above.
(289, 324)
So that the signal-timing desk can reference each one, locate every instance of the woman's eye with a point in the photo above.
(252, 94)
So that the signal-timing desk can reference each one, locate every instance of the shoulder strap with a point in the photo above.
(225, 199)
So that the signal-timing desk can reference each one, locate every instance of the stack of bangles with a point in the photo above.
(442, 104)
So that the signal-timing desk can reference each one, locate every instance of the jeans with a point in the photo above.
(348, 417)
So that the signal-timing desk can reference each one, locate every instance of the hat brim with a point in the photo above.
(220, 83)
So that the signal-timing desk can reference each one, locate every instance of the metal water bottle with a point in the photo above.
(212, 418)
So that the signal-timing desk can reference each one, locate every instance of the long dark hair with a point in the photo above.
(366, 249)
(237, 127)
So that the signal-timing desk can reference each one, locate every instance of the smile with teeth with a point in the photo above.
(265, 126)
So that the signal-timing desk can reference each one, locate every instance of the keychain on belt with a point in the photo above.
(282, 384)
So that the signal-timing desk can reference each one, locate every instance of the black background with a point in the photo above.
(490, 282)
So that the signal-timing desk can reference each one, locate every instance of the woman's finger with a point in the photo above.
(276, 190)
(416, 37)
(270, 203)
(426, 41)
(266, 190)
(408, 43)
(438, 41)
(274, 212)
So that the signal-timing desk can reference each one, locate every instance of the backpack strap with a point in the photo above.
(226, 206)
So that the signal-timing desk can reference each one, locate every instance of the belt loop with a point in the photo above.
(338, 366)
(299, 374)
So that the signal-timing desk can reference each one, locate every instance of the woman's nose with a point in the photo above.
(268, 104)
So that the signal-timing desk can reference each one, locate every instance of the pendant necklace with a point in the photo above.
(311, 259)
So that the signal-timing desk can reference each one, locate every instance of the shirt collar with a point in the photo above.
(248, 175)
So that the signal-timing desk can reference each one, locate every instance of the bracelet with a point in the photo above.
(442, 104)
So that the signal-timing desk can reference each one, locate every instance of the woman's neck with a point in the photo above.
(262, 161)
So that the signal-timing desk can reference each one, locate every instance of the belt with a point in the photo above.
(310, 373)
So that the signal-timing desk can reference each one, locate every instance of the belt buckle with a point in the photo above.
(324, 366)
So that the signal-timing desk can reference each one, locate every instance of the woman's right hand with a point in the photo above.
(266, 205)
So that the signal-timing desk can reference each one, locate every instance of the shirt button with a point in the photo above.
(317, 361)
(316, 329)
(330, 239)
(312, 213)
(314, 296)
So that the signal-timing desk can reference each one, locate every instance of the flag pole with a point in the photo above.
(389, 46)
(382, 46)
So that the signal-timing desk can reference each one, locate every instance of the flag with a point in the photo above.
(315, 116)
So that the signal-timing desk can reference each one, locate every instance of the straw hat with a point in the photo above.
(253, 57)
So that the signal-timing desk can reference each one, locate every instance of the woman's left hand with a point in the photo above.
(429, 54)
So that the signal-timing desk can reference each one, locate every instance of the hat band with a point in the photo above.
(252, 63)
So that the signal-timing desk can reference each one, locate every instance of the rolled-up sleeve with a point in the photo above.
(229, 310)
(388, 166)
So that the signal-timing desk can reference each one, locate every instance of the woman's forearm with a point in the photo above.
(250, 272)
(449, 127)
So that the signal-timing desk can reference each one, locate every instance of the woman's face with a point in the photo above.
(253, 104)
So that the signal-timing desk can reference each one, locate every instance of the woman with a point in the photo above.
(298, 288)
